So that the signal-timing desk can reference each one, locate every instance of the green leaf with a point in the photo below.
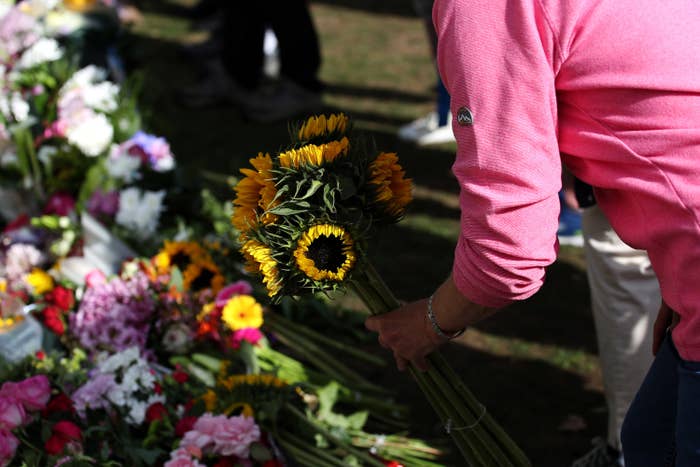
(176, 279)
(247, 354)
(207, 361)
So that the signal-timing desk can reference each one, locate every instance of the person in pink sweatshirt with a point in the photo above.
(613, 86)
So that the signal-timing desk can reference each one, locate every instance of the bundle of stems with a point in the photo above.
(480, 439)
(314, 348)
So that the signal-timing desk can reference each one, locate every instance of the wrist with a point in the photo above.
(452, 311)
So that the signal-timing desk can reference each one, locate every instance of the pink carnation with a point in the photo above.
(95, 278)
(229, 436)
(237, 288)
(12, 413)
(252, 335)
(33, 393)
(8, 446)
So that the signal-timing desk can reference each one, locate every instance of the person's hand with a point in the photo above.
(407, 333)
(666, 319)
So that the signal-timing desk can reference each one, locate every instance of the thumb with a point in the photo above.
(372, 323)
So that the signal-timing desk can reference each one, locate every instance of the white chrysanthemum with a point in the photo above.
(123, 166)
(91, 135)
(101, 96)
(119, 360)
(84, 77)
(140, 212)
(43, 50)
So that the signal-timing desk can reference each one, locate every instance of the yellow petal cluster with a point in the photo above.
(255, 194)
(392, 190)
(312, 154)
(40, 281)
(259, 260)
(320, 125)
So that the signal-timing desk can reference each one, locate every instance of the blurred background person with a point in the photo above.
(436, 127)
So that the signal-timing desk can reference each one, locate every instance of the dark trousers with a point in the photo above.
(244, 31)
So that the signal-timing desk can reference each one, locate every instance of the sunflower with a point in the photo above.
(178, 254)
(203, 274)
(242, 311)
(321, 125)
(255, 195)
(393, 191)
(230, 382)
(312, 154)
(259, 260)
(325, 252)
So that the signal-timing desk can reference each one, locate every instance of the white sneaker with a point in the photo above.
(425, 131)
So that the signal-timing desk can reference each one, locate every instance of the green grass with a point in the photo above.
(534, 363)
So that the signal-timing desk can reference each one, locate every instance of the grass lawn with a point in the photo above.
(533, 365)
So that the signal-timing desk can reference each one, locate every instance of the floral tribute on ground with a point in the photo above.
(305, 216)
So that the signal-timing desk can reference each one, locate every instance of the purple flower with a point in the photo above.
(156, 150)
(93, 394)
(115, 315)
(103, 203)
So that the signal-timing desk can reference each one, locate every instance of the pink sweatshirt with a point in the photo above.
(614, 86)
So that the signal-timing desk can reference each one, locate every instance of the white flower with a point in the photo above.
(43, 50)
(120, 360)
(137, 412)
(20, 107)
(91, 135)
(101, 96)
(123, 166)
(83, 78)
(13, 107)
(140, 212)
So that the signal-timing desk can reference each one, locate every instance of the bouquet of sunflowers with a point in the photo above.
(304, 218)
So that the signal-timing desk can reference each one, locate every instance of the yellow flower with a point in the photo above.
(325, 252)
(209, 399)
(255, 195)
(3, 285)
(206, 311)
(242, 311)
(312, 154)
(40, 281)
(320, 125)
(259, 260)
(392, 190)
(234, 381)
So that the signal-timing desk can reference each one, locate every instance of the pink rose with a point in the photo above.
(12, 413)
(33, 392)
(8, 446)
(235, 436)
(237, 288)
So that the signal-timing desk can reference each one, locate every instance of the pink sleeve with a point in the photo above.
(498, 58)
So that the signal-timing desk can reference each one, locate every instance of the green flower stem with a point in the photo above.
(517, 456)
(326, 362)
(302, 456)
(462, 417)
(293, 371)
(443, 384)
(276, 320)
(332, 438)
(465, 444)
(294, 444)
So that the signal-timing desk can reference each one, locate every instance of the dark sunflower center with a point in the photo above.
(181, 260)
(326, 253)
(203, 280)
